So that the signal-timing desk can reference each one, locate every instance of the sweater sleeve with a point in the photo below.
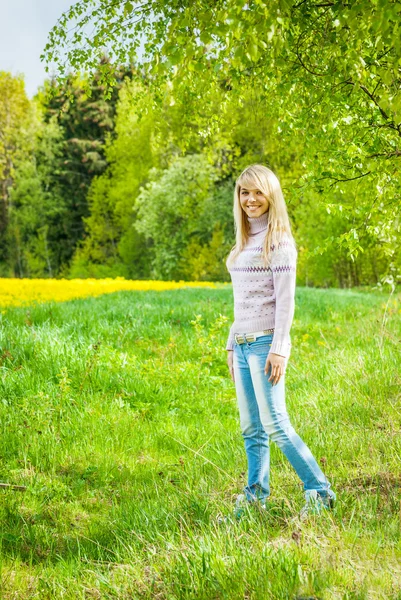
(283, 266)
(230, 340)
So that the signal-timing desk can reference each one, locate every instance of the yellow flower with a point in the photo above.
(17, 292)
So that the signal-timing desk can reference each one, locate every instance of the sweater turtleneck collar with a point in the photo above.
(258, 224)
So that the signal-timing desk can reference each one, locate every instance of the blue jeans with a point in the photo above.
(264, 417)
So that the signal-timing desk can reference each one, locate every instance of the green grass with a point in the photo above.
(119, 417)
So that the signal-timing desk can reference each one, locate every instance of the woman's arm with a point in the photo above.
(230, 339)
(283, 266)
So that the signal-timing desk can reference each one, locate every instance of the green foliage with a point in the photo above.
(52, 151)
(310, 90)
(208, 343)
(169, 208)
(111, 244)
(205, 262)
(37, 206)
(85, 122)
(339, 244)
(336, 247)
(17, 125)
(327, 72)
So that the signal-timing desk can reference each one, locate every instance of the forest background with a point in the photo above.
(127, 167)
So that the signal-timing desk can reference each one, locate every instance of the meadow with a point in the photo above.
(119, 417)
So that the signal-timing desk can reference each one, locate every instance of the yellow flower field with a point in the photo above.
(16, 292)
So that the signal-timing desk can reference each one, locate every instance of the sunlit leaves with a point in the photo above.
(330, 71)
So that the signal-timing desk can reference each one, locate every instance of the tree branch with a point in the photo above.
(346, 179)
(385, 154)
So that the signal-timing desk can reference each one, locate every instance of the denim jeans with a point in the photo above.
(264, 417)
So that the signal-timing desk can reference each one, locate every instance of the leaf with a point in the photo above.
(128, 8)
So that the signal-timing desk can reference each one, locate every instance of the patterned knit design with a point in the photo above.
(264, 297)
(249, 269)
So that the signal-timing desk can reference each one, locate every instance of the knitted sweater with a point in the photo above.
(264, 297)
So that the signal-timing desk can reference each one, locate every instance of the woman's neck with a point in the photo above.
(258, 224)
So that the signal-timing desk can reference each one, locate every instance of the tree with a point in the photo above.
(16, 137)
(86, 119)
(168, 210)
(329, 71)
(37, 207)
(111, 245)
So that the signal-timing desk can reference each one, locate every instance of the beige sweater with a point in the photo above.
(264, 297)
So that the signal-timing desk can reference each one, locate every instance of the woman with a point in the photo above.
(262, 265)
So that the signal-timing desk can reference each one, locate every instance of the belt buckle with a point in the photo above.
(241, 338)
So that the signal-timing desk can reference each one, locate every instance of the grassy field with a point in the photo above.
(119, 416)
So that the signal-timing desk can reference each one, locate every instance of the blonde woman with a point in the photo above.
(262, 265)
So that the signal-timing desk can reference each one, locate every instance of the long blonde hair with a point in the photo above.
(261, 178)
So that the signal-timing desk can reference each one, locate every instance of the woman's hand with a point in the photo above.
(230, 358)
(277, 363)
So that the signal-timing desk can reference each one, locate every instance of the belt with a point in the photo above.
(241, 338)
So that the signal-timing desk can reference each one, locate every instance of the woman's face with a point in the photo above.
(253, 202)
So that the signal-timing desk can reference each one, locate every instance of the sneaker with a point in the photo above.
(315, 504)
(242, 504)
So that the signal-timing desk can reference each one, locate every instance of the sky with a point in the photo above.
(24, 30)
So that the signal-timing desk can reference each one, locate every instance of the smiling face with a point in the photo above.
(253, 202)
